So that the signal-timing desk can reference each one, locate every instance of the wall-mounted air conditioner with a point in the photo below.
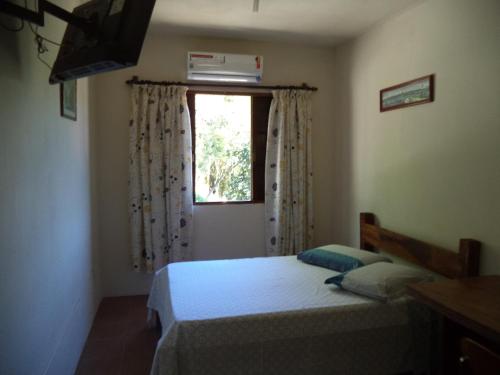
(224, 67)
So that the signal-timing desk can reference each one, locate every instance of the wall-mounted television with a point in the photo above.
(102, 35)
(117, 43)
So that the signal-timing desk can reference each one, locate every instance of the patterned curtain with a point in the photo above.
(289, 210)
(160, 179)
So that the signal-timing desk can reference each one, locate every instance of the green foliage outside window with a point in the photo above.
(223, 153)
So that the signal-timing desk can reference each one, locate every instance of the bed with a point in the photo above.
(276, 316)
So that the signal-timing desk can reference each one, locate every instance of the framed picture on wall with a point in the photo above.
(406, 94)
(68, 99)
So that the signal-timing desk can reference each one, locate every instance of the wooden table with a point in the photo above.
(470, 308)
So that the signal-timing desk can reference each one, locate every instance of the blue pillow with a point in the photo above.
(329, 259)
(337, 279)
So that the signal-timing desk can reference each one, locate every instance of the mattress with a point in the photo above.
(275, 315)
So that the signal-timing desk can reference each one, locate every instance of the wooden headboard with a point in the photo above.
(451, 264)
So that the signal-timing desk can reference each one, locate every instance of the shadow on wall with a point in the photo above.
(10, 50)
(94, 216)
(343, 168)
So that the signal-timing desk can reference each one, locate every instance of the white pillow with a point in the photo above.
(382, 281)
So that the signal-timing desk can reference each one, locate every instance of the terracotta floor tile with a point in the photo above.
(102, 357)
(139, 352)
(120, 341)
(109, 329)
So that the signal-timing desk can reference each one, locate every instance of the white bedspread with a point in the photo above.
(275, 316)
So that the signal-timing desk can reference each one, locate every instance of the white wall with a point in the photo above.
(48, 276)
(431, 171)
(220, 231)
(234, 231)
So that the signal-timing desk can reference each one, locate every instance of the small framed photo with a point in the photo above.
(68, 99)
(406, 94)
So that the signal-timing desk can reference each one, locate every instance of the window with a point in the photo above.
(229, 146)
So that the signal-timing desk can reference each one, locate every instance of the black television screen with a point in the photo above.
(116, 43)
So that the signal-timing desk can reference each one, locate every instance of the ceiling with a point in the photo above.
(326, 22)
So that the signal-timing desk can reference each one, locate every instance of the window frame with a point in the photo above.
(256, 198)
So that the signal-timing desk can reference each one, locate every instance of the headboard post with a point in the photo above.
(365, 218)
(469, 254)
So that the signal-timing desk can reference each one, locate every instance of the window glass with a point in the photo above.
(223, 148)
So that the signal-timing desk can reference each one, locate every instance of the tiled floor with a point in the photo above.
(119, 342)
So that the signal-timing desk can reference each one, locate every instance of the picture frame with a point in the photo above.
(68, 100)
(417, 91)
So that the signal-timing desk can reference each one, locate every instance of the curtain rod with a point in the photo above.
(136, 81)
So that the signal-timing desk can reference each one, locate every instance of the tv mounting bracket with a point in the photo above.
(89, 26)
